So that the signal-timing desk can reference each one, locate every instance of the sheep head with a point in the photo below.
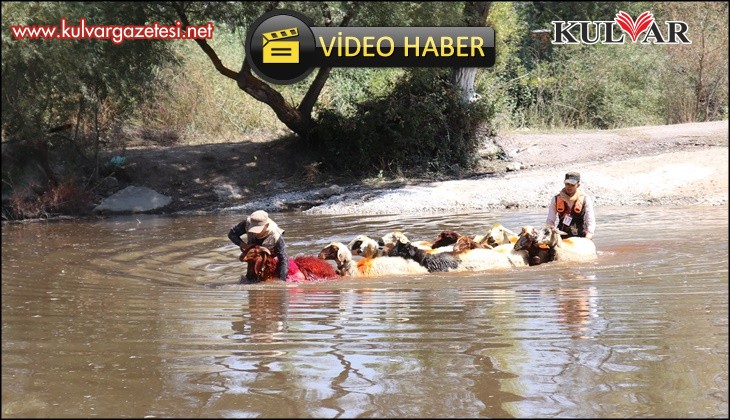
(261, 264)
(404, 250)
(446, 237)
(499, 235)
(526, 238)
(362, 245)
(537, 243)
(548, 237)
(336, 251)
(465, 243)
(390, 240)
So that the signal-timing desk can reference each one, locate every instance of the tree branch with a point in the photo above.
(315, 89)
(203, 44)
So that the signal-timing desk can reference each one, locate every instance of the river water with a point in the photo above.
(143, 316)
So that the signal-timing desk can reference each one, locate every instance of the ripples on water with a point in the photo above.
(143, 316)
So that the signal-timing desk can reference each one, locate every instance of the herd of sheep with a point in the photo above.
(395, 254)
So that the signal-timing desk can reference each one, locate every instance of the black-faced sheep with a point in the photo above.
(433, 262)
(536, 254)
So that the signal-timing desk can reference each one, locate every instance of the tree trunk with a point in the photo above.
(290, 116)
(297, 119)
(475, 14)
(464, 78)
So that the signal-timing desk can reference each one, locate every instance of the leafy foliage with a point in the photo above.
(606, 86)
(422, 125)
(86, 84)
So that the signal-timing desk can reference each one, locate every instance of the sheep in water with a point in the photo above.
(432, 262)
(475, 256)
(391, 239)
(573, 249)
(368, 267)
(499, 238)
(262, 265)
(467, 254)
(364, 246)
(466, 243)
(527, 243)
(500, 235)
(444, 242)
(518, 258)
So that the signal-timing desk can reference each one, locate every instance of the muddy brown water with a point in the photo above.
(142, 316)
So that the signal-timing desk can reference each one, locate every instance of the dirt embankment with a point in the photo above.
(657, 165)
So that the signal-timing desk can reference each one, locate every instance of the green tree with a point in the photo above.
(69, 93)
(428, 112)
(298, 118)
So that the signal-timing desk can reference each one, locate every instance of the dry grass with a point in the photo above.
(32, 203)
(201, 106)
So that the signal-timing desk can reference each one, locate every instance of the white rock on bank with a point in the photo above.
(133, 199)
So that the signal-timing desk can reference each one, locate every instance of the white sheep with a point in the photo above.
(368, 267)
(443, 261)
(473, 256)
(500, 235)
(574, 249)
(364, 246)
(517, 258)
(482, 259)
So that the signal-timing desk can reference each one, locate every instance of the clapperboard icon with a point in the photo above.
(278, 48)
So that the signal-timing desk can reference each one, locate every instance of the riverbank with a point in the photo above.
(682, 164)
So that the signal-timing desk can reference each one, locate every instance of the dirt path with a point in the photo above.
(659, 165)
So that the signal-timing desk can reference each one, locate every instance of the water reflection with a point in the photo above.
(576, 307)
(145, 317)
(265, 318)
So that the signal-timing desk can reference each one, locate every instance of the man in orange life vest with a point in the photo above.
(572, 209)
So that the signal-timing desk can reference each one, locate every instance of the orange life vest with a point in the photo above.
(561, 205)
(575, 228)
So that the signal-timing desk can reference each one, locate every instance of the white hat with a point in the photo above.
(258, 222)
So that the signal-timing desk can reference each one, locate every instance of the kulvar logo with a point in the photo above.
(634, 28)
(610, 31)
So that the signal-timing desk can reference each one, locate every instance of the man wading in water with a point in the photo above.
(260, 230)
(572, 209)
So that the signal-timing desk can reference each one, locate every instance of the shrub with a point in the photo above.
(423, 125)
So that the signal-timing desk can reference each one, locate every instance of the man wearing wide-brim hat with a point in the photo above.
(572, 209)
(259, 229)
